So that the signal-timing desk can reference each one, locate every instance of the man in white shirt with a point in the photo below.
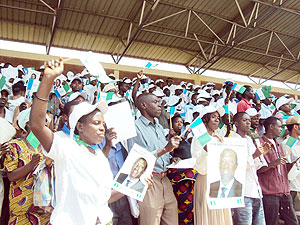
(253, 212)
(293, 154)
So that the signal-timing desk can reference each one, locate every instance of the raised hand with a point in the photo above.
(140, 74)
(54, 68)
(173, 143)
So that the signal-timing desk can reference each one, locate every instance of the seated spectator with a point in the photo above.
(247, 96)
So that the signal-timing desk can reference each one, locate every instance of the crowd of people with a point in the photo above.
(58, 159)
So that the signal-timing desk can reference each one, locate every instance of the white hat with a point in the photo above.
(264, 113)
(207, 88)
(252, 112)
(42, 67)
(144, 77)
(210, 83)
(178, 87)
(70, 75)
(211, 109)
(182, 83)
(16, 80)
(151, 86)
(127, 80)
(297, 107)
(198, 108)
(23, 118)
(108, 87)
(173, 100)
(159, 80)
(215, 92)
(83, 109)
(84, 72)
(93, 78)
(6, 89)
(76, 77)
(189, 84)
(282, 101)
(166, 87)
(76, 95)
(203, 94)
(158, 93)
(7, 131)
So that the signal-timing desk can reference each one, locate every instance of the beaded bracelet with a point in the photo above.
(42, 99)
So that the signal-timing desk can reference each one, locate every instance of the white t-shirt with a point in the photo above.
(12, 104)
(82, 186)
(252, 187)
(294, 174)
(9, 115)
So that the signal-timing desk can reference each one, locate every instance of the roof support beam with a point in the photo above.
(241, 12)
(139, 29)
(264, 15)
(48, 6)
(54, 26)
(285, 46)
(269, 43)
(208, 27)
(187, 24)
(25, 9)
(164, 18)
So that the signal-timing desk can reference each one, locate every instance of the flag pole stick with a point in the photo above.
(185, 130)
(290, 151)
(170, 123)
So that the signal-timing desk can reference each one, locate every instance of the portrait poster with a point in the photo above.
(137, 167)
(226, 172)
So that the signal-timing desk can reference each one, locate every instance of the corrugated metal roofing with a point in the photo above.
(268, 44)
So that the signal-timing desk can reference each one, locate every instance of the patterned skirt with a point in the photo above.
(182, 181)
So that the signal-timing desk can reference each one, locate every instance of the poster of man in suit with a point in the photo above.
(226, 164)
(131, 178)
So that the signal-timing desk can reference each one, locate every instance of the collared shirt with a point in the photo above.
(294, 174)
(243, 105)
(151, 137)
(227, 190)
(83, 183)
(271, 181)
(115, 157)
(252, 187)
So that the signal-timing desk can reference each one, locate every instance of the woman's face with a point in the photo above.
(92, 129)
(214, 121)
(177, 124)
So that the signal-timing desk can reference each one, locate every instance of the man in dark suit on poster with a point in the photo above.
(132, 180)
(228, 186)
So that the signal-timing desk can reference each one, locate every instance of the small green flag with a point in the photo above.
(33, 140)
(204, 139)
(2, 81)
(109, 96)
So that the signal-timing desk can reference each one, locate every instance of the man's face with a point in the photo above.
(76, 85)
(277, 129)
(255, 121)
(153, 106)
(286, 108)
(167, 92)
(3, 101)
(138, 168)
(228, 166)
(244, 123)
(160, 84)
(178, 92)
(194, 99)
(250, 93)
(170, 82)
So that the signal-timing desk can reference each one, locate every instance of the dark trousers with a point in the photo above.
(279, 205)
(121, 212)
(5, 207)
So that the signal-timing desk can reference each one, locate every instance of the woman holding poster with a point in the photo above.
(203, 215)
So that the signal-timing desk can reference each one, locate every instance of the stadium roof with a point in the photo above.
(256, 38)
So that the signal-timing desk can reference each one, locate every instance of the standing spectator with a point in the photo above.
(203, 215)
(273, 178)
(293, 125)
(183, 180)
(4, 112)
(253, 212)
(19, 164)
(247, 96)
(159, 205)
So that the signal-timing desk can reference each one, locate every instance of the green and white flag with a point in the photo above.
(200, 132)
(263, 93)
(238, 88)
(2, 81)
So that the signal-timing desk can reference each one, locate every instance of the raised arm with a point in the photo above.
(38, 111)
